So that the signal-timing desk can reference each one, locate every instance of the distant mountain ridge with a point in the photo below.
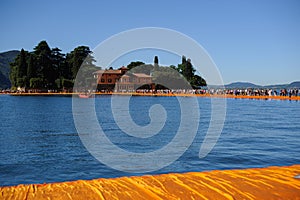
(5, 59)
(295, 84)
(242, 85)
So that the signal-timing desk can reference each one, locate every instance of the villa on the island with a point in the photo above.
(120, 80)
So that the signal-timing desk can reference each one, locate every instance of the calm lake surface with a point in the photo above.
(39, 142)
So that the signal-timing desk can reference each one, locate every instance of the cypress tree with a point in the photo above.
(31, 67)
(22, 65)
(188, 71)
(183, 60)
(44, 64)
(57, 61)
(155, 63)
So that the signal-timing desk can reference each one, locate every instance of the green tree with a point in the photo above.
(18, 70)
(155, 60)
(144, 68)
(13, 74)
(31, 69)
(188, 70)
(58, 61)
(44, 70)
(156, 66)
(81, 60)
(86, 71)
(36, 83)
(181, 67)
(135, 64)
(174, 67)
(79, 56)
(66, 68)
(67, 84)
(21, 82)
(22, 64)
(183, 60)
(197, 81)
(169, 78)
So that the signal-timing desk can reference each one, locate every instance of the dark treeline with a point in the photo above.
(172, 75)
(45, 68)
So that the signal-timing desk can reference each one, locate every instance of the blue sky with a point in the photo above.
(255, 41)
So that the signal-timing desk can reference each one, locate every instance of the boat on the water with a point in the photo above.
(85, 96)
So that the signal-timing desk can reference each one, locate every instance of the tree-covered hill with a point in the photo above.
(176, 77)
(235, 85)
(5, 59)
(242, 85)
(4, 82)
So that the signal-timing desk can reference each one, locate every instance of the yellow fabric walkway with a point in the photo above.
(264, 183)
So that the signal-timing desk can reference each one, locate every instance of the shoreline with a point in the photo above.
(253, 183)
(263, 97)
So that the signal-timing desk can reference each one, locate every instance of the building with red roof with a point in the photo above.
(121, 79)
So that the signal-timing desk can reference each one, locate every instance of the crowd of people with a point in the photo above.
(209, 91)
(215, 91)
(256, 92)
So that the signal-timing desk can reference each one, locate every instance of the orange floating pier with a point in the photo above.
(259, 183)
(263, 97)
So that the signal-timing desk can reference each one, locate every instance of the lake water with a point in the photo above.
(39, 142)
